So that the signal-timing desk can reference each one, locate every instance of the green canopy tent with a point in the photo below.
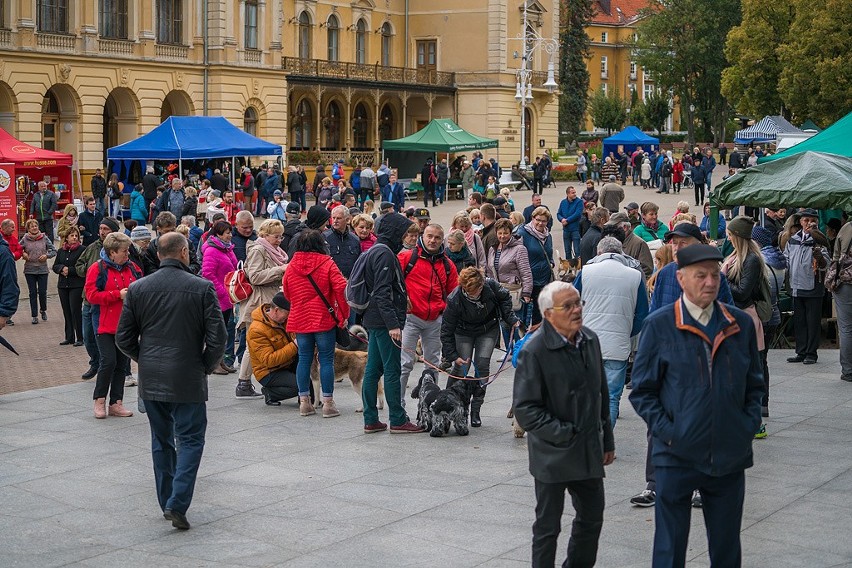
(836, 139)
(807, 179)
(440, 135)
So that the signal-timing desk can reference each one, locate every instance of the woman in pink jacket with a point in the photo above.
(218, 261)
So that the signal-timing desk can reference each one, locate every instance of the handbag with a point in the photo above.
(516, 292)
(238, 285)
(839, 271)
(341, 334)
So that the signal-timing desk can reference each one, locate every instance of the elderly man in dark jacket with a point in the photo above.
(698, 384)
(9, 289)
(343, 246)
(384, 319)
(561, 399)
(172, 326)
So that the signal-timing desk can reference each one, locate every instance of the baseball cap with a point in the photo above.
(293, 208)
(684, 230)
(631, 206)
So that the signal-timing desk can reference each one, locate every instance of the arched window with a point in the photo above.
(333, 26)
(361, 42)
(359, 126)
(302, 122)
(386, 125)
(305, 35)
(387, 44)
(331, 122)
(250, 121)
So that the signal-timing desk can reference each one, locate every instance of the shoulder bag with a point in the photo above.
(840, 270)
(341, 334)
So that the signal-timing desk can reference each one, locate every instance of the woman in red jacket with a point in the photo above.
(677, 174)
(311, 276)
(106, 285)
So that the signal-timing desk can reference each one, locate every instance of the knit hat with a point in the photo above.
(277, 192)
(318, 216)
(293, 208)
(111, 223)
(280, 301)
(741, 226)
(762, 236)
(618, 218)
(140, 233)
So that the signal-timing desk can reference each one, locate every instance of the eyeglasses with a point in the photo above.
(569, 306)
(540, 219)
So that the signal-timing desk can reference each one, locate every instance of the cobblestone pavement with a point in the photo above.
(276, 489)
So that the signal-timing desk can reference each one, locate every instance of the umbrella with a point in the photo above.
(8, 345)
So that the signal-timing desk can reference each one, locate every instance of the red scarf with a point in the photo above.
(71, 248)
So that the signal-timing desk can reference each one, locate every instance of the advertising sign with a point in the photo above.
(8, 197)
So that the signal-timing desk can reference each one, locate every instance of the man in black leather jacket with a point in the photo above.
(178, 315)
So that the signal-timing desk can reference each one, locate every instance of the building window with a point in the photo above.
(302, 125)
(170, 15)
(251, 24)
(250, 121)
(113, 19)
(387, 44)
(632, 71)
(359, 127)
(603, 37)
(331, 123)
(333, 38)
(52, 16)
(647, 92)
(604, 67)
(603, 88)
(361, 42)
(426, 55)
(304, 35)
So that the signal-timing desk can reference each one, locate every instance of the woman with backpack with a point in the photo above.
(106, 286)
(745, 270)
(218, 261)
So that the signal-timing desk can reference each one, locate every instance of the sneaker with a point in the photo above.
(10, 322)
(130, 381)
(407, 428)
(245, 390)
(796, 359)
(118, 409)
(90, 373)
(697, 502)
(306, 408)
(645, 499)
(375, 427)
(761, 433)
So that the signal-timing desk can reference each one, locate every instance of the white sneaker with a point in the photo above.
(130, 381)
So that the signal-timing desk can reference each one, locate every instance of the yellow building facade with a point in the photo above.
(611, 67)
(331, 77)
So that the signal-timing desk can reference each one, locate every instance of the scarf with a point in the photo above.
(542, 236)
(475, 301)
(468, 236)
(219, 243)
(460, 256)
(72, 219)
(109, 262)
(70, 247)
(29, 237)
(279, 257)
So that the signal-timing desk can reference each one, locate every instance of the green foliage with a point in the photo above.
(656, 110)
(573, 72)
(307, 158)
(608, 111)
(816, 63)
(751, 82)
(679, 45)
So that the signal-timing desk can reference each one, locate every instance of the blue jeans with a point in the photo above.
(383, 357)
(100, 205)
(707, 180)
(616, 372)
(440, 191)
(570, 238)
(230, 325)
(177, 442)
(90, 325)
(324, 342)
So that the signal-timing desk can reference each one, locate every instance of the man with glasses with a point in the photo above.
(561, 399)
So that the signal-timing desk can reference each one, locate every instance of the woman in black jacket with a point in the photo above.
(71, 287)
(471, 328)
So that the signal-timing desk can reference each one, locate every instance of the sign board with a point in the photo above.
(8, 197)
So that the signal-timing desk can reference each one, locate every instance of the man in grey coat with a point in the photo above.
(172, 326)
(43, 207)
(562, 401)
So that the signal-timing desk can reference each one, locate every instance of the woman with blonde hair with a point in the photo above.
(362, 226)
(682, 207)
(662, 257)
(69, 219)
(37, 249)
(463, 223)
(265, 265)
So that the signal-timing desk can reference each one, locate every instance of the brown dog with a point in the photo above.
(349, 362)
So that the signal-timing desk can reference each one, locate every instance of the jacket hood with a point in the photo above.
(774, 258)
(259, 315)
(514, 241)
(624, 259)
(304, 263)
(391, 229)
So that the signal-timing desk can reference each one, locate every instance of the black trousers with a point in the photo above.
(699, 193)
(46, 227)
(807, 316)
(37, 286)
(72, 310)
(587, 497)
(428, 193)
(111, 371)
(280, 385)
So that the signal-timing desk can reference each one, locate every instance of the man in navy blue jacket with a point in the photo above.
(698, 384)
(569, 213)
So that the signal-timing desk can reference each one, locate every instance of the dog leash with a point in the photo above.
(490, 378)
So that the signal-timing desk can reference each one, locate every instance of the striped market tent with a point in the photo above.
(767, 130)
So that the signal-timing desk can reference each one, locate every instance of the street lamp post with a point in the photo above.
(532, 41)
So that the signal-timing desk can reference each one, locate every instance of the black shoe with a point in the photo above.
(847, 378)
(178, 519)
(796, 359)
(267, 399)
(809, 361)
(66, 342)
(90, 373)
(78, 344)
(35, 321)
(645, 499)
(245, 391)
(10, 322)
(44, 315)
(475, 420)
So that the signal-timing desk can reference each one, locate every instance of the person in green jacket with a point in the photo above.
(650, 229)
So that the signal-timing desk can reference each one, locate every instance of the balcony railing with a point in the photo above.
(5, 37)
(56, 42)
(115, 46)
(356, 71)
(252, 56)
(173, 52)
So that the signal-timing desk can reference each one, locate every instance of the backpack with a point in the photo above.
(413, 260)
(335, 172)
(238, 285)
(357, 290)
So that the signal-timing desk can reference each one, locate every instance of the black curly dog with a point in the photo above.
(437, 408)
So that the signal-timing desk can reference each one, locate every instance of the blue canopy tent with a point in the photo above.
(767, 130)
(193, 138)
(629, 139)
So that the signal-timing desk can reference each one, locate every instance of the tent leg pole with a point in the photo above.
(180, 169)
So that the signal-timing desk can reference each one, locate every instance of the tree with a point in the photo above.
(608, 111)
(678, 44)
(657, 110)
(573, 73)
(751, 82)
(816, 63)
